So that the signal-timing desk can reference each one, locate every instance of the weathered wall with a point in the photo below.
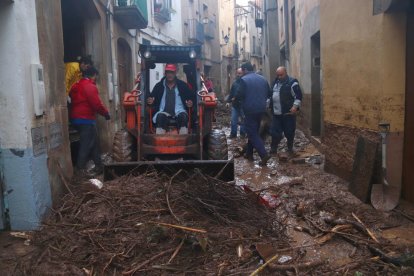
(271, 53)
(49, 23)
(228, 59)
(363, 61)
(23, 163)
(364, 67)
(307, 24)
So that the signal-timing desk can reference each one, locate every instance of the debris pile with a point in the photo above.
(154, 224)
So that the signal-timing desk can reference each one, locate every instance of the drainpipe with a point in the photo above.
(286, 19)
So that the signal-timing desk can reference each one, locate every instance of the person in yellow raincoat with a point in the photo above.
(73, 71)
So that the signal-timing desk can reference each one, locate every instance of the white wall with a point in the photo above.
(167, 32)
(18, 49)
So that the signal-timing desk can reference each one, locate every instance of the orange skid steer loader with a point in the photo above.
(138, 148)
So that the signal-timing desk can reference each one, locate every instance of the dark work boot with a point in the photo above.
(273, 146)
(264, 160)
(290, 147)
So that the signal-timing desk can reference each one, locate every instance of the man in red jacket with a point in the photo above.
(85, 103)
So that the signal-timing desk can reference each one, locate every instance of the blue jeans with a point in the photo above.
(252, 124)
(236, 113)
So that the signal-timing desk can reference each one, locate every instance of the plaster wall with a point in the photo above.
(363, 65)
(27, 193)
(226, 26)
(170, 32)
(270, 39)
(49, 22)
(307, 24)
(363, 61)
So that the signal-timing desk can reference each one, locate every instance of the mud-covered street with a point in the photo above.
(291, 214)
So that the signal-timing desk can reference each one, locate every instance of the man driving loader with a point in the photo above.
(171, 99)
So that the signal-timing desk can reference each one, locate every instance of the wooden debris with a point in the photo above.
(179, 227)
(257, 271)
(370, 233)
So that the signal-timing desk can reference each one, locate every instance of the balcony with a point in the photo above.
(209, 29)
(131, 14)
(257, 51)
(195, 31)
(162, 15)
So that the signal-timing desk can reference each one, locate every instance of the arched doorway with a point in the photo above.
(125, 80)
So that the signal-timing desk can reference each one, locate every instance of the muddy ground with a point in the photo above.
(317, 227)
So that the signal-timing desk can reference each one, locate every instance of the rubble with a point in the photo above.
(151, 223)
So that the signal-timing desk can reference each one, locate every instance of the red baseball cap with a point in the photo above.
(171, 67)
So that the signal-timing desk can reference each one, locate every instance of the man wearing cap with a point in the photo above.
(171, 98)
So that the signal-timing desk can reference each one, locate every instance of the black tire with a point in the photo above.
(217, 145)
(123, 146)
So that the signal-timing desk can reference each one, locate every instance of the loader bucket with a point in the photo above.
(221, 169)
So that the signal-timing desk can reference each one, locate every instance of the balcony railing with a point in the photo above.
(257, 51)
(195, 31)
(131, 14)
(210, 29)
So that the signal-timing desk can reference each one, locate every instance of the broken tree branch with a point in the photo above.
(179, 227)
(167, 190)
(366, 228)
(176, 251)
(138, 267)
(256, 272)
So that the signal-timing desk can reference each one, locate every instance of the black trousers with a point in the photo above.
(283, 124)
(163, 120)
(88, 146)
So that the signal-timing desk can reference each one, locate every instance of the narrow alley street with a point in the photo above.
(206, 137)
(290, 209)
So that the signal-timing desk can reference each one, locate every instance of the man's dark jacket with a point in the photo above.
(183, 90)
(233, 94)
(253, 93)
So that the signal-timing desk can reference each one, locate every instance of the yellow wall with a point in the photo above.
(363, 61)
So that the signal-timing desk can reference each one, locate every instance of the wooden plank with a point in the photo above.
(363, 167)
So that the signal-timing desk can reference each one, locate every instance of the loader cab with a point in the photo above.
(186, 58)
(202, 141)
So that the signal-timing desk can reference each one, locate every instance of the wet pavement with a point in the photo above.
(301, 183)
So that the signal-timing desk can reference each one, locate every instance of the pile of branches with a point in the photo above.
(154, 224)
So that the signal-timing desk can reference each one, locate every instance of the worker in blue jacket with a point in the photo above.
(254, 91)
(285, 103)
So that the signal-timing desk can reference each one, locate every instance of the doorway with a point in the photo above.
(81, 37)
(81, 29)
(316, 95)
(408, 154)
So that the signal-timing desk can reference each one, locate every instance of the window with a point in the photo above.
(146, 42)
(162, 10)
(293, 23)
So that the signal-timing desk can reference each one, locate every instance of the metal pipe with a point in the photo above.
(384, 129)
(286, 21)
